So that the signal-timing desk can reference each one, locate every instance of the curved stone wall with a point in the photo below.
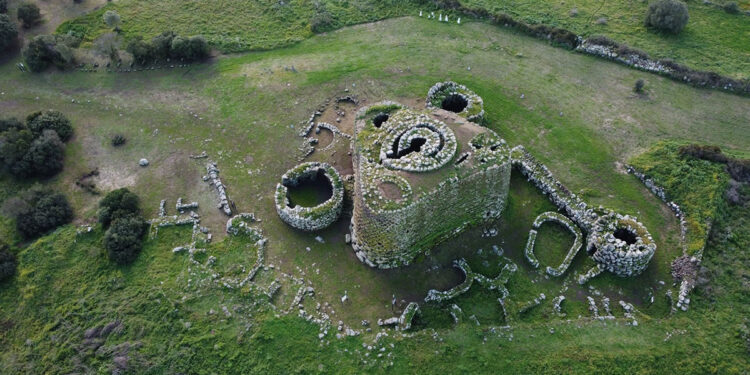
(310, 218)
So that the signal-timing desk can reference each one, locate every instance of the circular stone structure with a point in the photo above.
(456, 98)
(620, 244)
(417, 143)
(310, 218)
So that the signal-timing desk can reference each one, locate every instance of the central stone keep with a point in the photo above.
(421, 177)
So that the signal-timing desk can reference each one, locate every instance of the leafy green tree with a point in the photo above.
(189, 49)
(8, 32)
(667, 15)
(162, 44)
(39, 121)
(45, 210)
(45, 156)
(124, 239)
(117, 204)
(142, 51)
(10, 123)
(46, 50)
(3, 6)
(29, 14)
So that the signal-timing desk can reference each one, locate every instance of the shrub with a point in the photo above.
(712, 153)
(739, 169)
(46, 50)
(667, 15)
(189, 49)
(44, 211)
(731, 7)
(39, 121)
(29, 14)
(143, 52)
(8, 32)
(639, 86)
(322, 20)
(112, 19)
(118, 140)
(45, 156)
(3, 6)
(162, 44)
(118, 204)
(124, 239)
(7, 263)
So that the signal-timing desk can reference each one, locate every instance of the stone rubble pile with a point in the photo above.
(213, 179)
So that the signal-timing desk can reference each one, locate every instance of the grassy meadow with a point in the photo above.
(575, 113)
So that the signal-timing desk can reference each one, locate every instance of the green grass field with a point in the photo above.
(576, 113)
(714, 40)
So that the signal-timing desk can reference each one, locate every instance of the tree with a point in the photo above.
(162, 44)
(118, 204)
(45, 156)
(8, 32)
(45, 211)
(7, 262)
(39, 121)
(124, 239)
(112, 19)
(667, 15)
(189, 49)
(14, 144)
(10, 123)
(44, 50)
(3, 6)
(143, 52)
(29, 14)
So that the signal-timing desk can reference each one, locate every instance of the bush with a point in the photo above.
(118, 204)
(731, 7)
(8, 32)
(43, 212)
(3, 6)
(322, 20)
(29, 14)
(124, 239)
(46, 50)
(14, 143)
(667, 15)
(39, 121)
(112, 19)
(119, 140)
(712, 153)
(162, 44)
(7, 263)
(189, 49)
(143, 52)
(739, 169)
(639, 86)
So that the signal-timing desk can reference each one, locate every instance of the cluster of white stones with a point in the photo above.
(533, 303)
(310, 218)
(617, 255)
(474, 110)
(403, 128)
